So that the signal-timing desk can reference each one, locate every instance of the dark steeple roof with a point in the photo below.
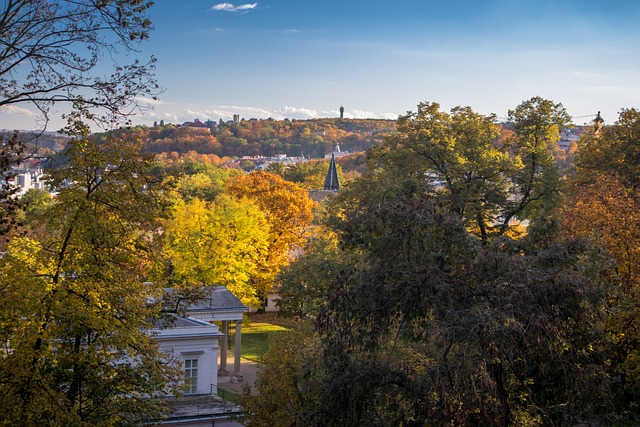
(331, 181)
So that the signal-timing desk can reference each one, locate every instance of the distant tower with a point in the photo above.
(331, 181)
(342, 112)
(598, 122)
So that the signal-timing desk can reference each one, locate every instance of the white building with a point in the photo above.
(200, 347)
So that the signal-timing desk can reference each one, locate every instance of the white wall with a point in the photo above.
(199, 342)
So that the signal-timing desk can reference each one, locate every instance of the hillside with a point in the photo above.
(311, 138)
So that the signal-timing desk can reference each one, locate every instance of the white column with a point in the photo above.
(236, 351)
(224, 344)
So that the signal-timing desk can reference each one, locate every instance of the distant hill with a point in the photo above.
(311, 138)
(40, 143)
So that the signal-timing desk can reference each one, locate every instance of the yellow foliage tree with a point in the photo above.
(288, 210)
(74, 304)
(217, 243)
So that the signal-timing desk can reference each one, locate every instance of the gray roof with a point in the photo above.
(217, 299)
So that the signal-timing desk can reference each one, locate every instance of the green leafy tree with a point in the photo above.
(288, 385)
(431, 327)
(614, 151)
(304, 285)
(74, 306)
(460, 158)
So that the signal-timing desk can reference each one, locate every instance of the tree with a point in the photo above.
(304, 285)
(537, 124)
(222, 243)
(615, 151)
(11, 154)
(50, 52)
(460, 158)
(430, 327)
(602, 205)
(287, 387)
(74, 305)
(288, 210)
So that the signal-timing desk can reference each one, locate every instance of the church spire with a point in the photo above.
(331, 181)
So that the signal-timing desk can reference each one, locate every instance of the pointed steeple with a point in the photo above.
(331, 181)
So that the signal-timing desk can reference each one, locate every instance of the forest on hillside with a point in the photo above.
(295, 138)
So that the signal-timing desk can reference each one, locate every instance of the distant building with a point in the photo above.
(342, 112)
(196, 123)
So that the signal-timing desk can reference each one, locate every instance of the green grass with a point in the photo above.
(255, 339)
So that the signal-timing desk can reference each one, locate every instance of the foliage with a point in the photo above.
(287, 386)
(432, 328)
(11, 154)
(51, 51)
(74, 306)
(424, 319)
(615, 152)
(458, 157)
(223, 242)
(308, 138)
(288, 210)
(304, 284)
(602, 205)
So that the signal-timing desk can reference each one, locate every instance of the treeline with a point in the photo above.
(295, 138)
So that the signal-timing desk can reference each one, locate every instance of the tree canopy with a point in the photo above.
(434, 306)
(74, 300)
(460, 157)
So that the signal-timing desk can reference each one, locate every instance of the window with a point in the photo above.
(191, 375)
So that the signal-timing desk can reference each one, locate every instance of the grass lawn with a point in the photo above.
(256, 332)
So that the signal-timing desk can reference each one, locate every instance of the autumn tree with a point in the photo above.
(602, 205)
(74, 305)
(223, 243)
(288, 210)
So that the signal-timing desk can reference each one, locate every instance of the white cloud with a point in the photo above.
(228, 7)
(295, 113)
(12, 109)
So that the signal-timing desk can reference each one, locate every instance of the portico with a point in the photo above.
(220, 305)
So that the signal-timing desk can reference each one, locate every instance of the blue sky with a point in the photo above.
(304, 59)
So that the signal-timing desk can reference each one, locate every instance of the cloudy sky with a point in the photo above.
(306, 58)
